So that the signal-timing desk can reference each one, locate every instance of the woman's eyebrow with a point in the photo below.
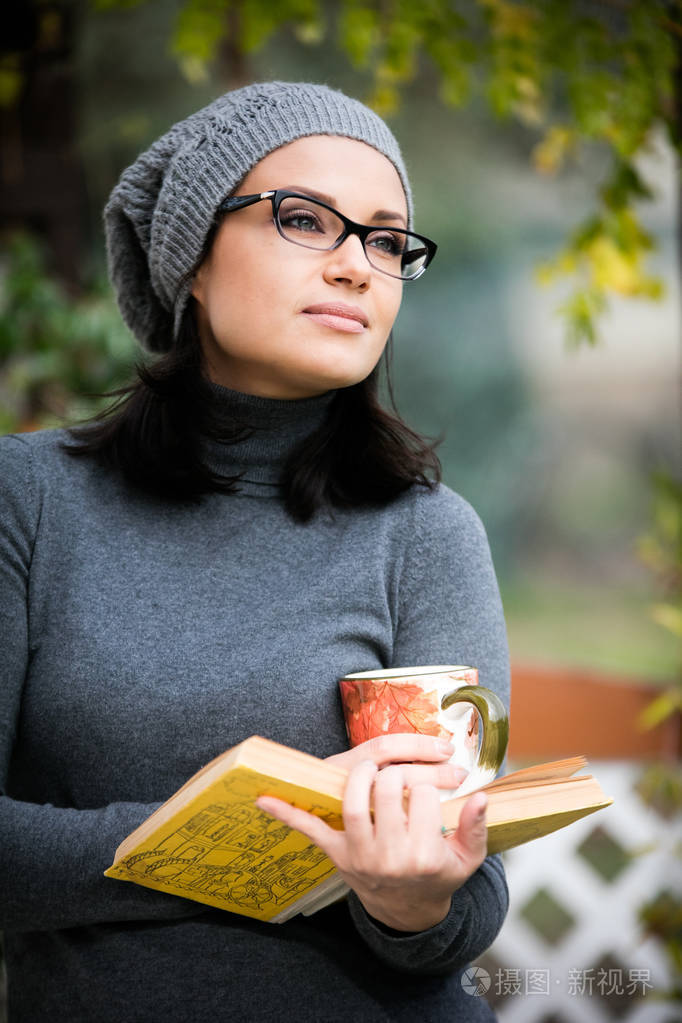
(330, 201)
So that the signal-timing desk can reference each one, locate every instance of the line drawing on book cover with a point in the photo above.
(232, 852)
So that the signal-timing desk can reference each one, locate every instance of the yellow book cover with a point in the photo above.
(209, 842)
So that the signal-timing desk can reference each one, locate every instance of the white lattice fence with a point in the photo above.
(571, 950)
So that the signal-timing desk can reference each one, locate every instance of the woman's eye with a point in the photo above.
(300, 220)
(387, 243)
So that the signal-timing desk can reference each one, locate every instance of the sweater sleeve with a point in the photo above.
(450, 612)
(51, 858)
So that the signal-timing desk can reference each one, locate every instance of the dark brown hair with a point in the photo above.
(361, 454)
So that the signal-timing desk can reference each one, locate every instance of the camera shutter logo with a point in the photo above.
(476, 980)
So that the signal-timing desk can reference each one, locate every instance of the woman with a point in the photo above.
(205, 562)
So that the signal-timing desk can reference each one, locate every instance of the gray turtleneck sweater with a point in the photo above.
(139, 640)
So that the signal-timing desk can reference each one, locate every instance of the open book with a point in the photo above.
(209, 842)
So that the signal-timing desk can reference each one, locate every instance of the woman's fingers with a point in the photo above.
(430, 856)
(395, 748)
(390, 818)
(418, 754)
(470, 841)
(309, 825)
(395, 857)
(441, 776)
(424, 818)
(357, 818)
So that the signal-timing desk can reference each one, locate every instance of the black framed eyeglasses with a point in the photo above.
(315, 225)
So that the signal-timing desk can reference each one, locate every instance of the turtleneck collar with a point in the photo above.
(273, 427)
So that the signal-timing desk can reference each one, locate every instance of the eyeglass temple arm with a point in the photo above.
(239, 202)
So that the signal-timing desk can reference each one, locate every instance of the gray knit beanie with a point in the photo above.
(160, 212)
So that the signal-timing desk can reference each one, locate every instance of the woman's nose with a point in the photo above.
(348, 264)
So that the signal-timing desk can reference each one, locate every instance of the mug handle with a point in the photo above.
(495, 732)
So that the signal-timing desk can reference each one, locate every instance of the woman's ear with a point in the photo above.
(197, 289)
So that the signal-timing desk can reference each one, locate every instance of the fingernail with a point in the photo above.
(482, 804)
(445, 747)
(457, 774)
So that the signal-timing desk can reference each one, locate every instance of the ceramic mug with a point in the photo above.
(444, 700)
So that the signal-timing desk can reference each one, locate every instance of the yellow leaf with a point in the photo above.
(564, 264)
(660, 708)
(194, 69)
(612, 268)
(310, 33)
(548, 155)
(652, 287)
(384, 100)
(669, 616)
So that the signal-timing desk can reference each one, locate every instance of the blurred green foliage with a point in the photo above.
(661, 549)
(58, 354)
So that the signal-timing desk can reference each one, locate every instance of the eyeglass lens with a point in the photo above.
(305, 222)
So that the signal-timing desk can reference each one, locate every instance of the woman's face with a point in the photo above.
(283, 321)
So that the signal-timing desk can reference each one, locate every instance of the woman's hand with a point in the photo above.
(403, 869)
(424, 759)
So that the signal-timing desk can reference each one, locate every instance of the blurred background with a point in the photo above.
(557, 395)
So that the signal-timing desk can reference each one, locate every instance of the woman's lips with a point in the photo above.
(347, 318)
